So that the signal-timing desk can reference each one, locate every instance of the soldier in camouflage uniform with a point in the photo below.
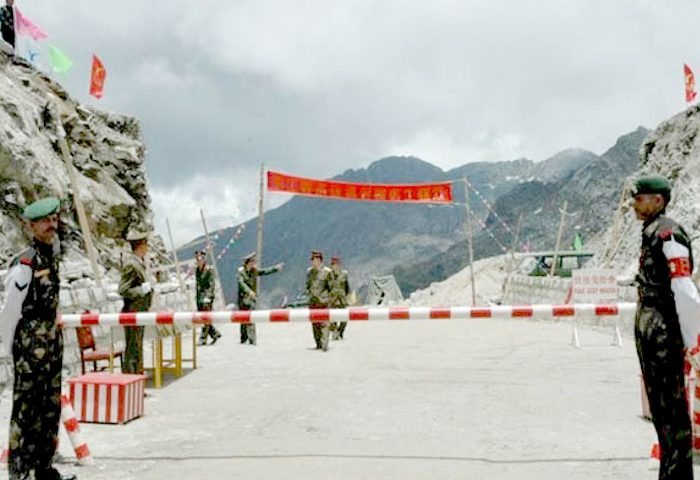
(339, 290)
(31, 336)
(317, 289)
(137, 292)
(247, 276)
(7, 22)
(666, 322)
(205, 295)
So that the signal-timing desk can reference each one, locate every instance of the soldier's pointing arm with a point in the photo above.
(16, 287)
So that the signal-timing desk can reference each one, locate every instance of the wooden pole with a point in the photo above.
(559, 234)
(470, 237)
(210, 249)
(260, 231)
(511, 269)
(82, 218)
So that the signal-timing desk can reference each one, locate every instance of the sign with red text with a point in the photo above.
(594, 286)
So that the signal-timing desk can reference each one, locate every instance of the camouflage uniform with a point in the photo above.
(135, 300)
(339, 289)
(248, 294)
(205, 300)
(37, 353)
(317, 289)
(660, 346)
(7, 24)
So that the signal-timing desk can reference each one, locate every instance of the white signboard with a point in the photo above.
(593, 286)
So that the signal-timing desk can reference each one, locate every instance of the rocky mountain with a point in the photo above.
(376, 238)
(672, 150)
(592, 192)
(107, 150)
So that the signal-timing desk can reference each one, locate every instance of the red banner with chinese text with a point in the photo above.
(411, 193)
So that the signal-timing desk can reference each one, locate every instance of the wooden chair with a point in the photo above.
(88, 351)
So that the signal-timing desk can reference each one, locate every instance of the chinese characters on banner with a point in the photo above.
(594, 286)
(97, 78)
(412, 193)
(690, 92)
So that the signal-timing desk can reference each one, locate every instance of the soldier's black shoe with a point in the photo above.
(202, 341)
(52, 474)
(216, 337)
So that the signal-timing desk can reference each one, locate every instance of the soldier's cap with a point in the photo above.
(136, 236)
(316, 254)
(335, 259)
(42, 208)
(248, 257)
(652, 184)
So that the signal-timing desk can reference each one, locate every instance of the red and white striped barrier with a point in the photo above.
(70, 422)
(344, 314)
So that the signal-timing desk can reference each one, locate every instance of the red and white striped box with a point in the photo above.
(101, 397)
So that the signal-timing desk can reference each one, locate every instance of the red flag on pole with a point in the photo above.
(690, 92)
(97, 79)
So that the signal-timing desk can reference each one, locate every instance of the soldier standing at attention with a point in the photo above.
(317, 290)
(31, 336)
(339, 288)
(666, 321)
(247, 276)
(205, 295)
(137, 292)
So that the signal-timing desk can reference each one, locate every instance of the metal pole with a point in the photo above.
(260, 231)
(177, 266)
(559, 233)
(82, 218)
(470, 237)
(210, 249)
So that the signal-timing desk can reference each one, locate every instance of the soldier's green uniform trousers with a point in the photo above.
(660, 349)
(36, 408)
(133, 350)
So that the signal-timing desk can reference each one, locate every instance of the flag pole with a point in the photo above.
(177, 266)
(210, 250)
(470, 237)
(79, 208)
(260, 232)
(559, 234)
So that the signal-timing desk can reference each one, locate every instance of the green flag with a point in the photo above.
(59, 61)
(578, 243)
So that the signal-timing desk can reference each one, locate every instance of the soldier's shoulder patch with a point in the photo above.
(26, 261)
(666, 234)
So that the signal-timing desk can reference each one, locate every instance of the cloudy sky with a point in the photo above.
(314, 87)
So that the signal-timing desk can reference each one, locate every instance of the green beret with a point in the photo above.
(652, 184)
(42, 208)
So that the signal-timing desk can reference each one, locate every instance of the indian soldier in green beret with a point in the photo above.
(30, 335)
(137, 293)
(317, 290)
(339, 291)
(667, 322)
(206, 290)
(247, 276)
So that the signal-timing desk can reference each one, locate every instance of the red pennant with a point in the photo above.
(97, 78)
(690, 92)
